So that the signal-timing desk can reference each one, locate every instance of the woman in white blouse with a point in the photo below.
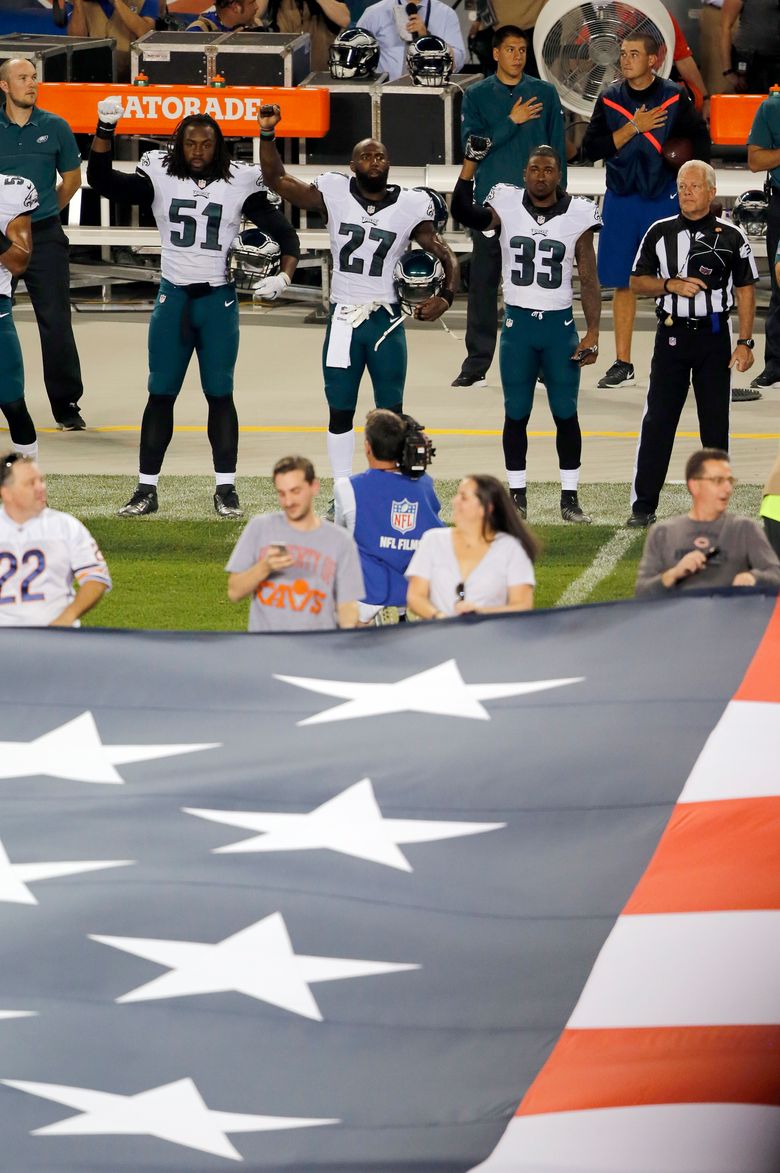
(484, 564)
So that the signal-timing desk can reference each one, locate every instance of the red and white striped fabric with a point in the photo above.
(670, 1061)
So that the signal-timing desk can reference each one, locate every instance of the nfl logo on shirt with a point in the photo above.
(403, 515)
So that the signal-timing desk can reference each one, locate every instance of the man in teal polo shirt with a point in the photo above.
(517, 113)
(39, 146)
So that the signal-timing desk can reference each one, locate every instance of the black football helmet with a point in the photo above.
(417, 276)
(252, 256)
(354, 53)
(751, 212)
(429, 62)
(438, 210)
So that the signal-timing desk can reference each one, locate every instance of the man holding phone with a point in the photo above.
(302, 572)
(542, 231)
(707, 547)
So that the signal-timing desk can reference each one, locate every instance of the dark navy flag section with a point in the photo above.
(327, 902)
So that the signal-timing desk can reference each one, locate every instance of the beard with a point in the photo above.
(373, 184)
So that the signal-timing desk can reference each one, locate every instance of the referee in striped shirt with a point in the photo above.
(696, 266)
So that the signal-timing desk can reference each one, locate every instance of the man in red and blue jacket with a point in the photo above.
(635, 126)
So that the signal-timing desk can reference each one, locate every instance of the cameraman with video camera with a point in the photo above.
(388, 508)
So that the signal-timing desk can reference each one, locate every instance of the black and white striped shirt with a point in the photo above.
(713, 249)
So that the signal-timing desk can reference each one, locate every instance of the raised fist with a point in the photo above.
(477, 147)
(110, 110)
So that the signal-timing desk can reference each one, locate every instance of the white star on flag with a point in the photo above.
(14, 877)
(174, 1111)
(74, 751)
(18, 1014)
(350, 823)
(258, 961)
(440, 691)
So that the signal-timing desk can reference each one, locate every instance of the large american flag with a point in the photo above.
(498, 894)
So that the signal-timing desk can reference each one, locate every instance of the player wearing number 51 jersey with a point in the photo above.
(370, 223)
(198, 196)
(43, 553)
(542, 231)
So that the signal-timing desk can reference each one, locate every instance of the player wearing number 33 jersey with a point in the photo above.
(43, 554)
(370, 223)
(198, 196)
(542, 231)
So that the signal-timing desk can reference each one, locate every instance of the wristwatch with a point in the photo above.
(748, 342)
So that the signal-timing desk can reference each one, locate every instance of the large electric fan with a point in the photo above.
(577, 45)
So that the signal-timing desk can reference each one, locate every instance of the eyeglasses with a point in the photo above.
(460, 592)
(718, 481)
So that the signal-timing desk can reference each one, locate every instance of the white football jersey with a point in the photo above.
(366, 239)
(537, 246)
(18, 197)
(197, 223)
(39, 562)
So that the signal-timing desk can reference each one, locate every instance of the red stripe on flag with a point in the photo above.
(669, 1065)
(714, 856)
(762, 679)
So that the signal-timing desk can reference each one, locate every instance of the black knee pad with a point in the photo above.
(340, 421)
(19, 420)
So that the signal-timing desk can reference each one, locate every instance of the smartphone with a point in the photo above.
(281, 548)
(712, 552)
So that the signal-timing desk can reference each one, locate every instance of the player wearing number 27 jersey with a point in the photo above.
(370, 223)
(542, 231)
(198, 196)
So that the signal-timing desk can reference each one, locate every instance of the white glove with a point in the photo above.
(110, 110)
(269, 288)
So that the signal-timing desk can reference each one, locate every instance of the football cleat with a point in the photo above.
(72, 421)
(641, 520)
(571, 510)
(226, 501)
(143, 501)
(520, 502)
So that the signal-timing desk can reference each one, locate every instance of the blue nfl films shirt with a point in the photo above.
(392, 512)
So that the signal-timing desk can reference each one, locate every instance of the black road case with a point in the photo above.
(175, 58)
(354, 115)
(421, 124)
(85, 58)
(264, 59)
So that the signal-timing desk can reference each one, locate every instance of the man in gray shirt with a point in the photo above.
(707, 548)
(303, 573)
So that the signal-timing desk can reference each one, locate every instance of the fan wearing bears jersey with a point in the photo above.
(370, 223)
(198, 196)
(18, 200)
(542, 231)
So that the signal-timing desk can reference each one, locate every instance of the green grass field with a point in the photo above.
(168, 569)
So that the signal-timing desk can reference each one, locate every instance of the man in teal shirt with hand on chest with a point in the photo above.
(516, 113)
(39, 146)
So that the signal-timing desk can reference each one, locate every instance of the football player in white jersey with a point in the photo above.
(43, 553)
(543, 230)
(370, 223)
(18, 200)
(198, 196)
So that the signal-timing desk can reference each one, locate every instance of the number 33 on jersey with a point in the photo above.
(537, 246)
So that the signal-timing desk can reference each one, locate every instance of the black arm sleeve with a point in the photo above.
(115, 185)
(688, 123)
(598, 142)
(271, 221)
(465, 211)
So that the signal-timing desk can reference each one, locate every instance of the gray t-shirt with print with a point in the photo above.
(303, 597)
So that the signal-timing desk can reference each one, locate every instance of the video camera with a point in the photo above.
(417, 452)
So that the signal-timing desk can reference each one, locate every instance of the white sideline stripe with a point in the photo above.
(656, 1138)
(602, 565)
(739, 758)
(685, 969)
